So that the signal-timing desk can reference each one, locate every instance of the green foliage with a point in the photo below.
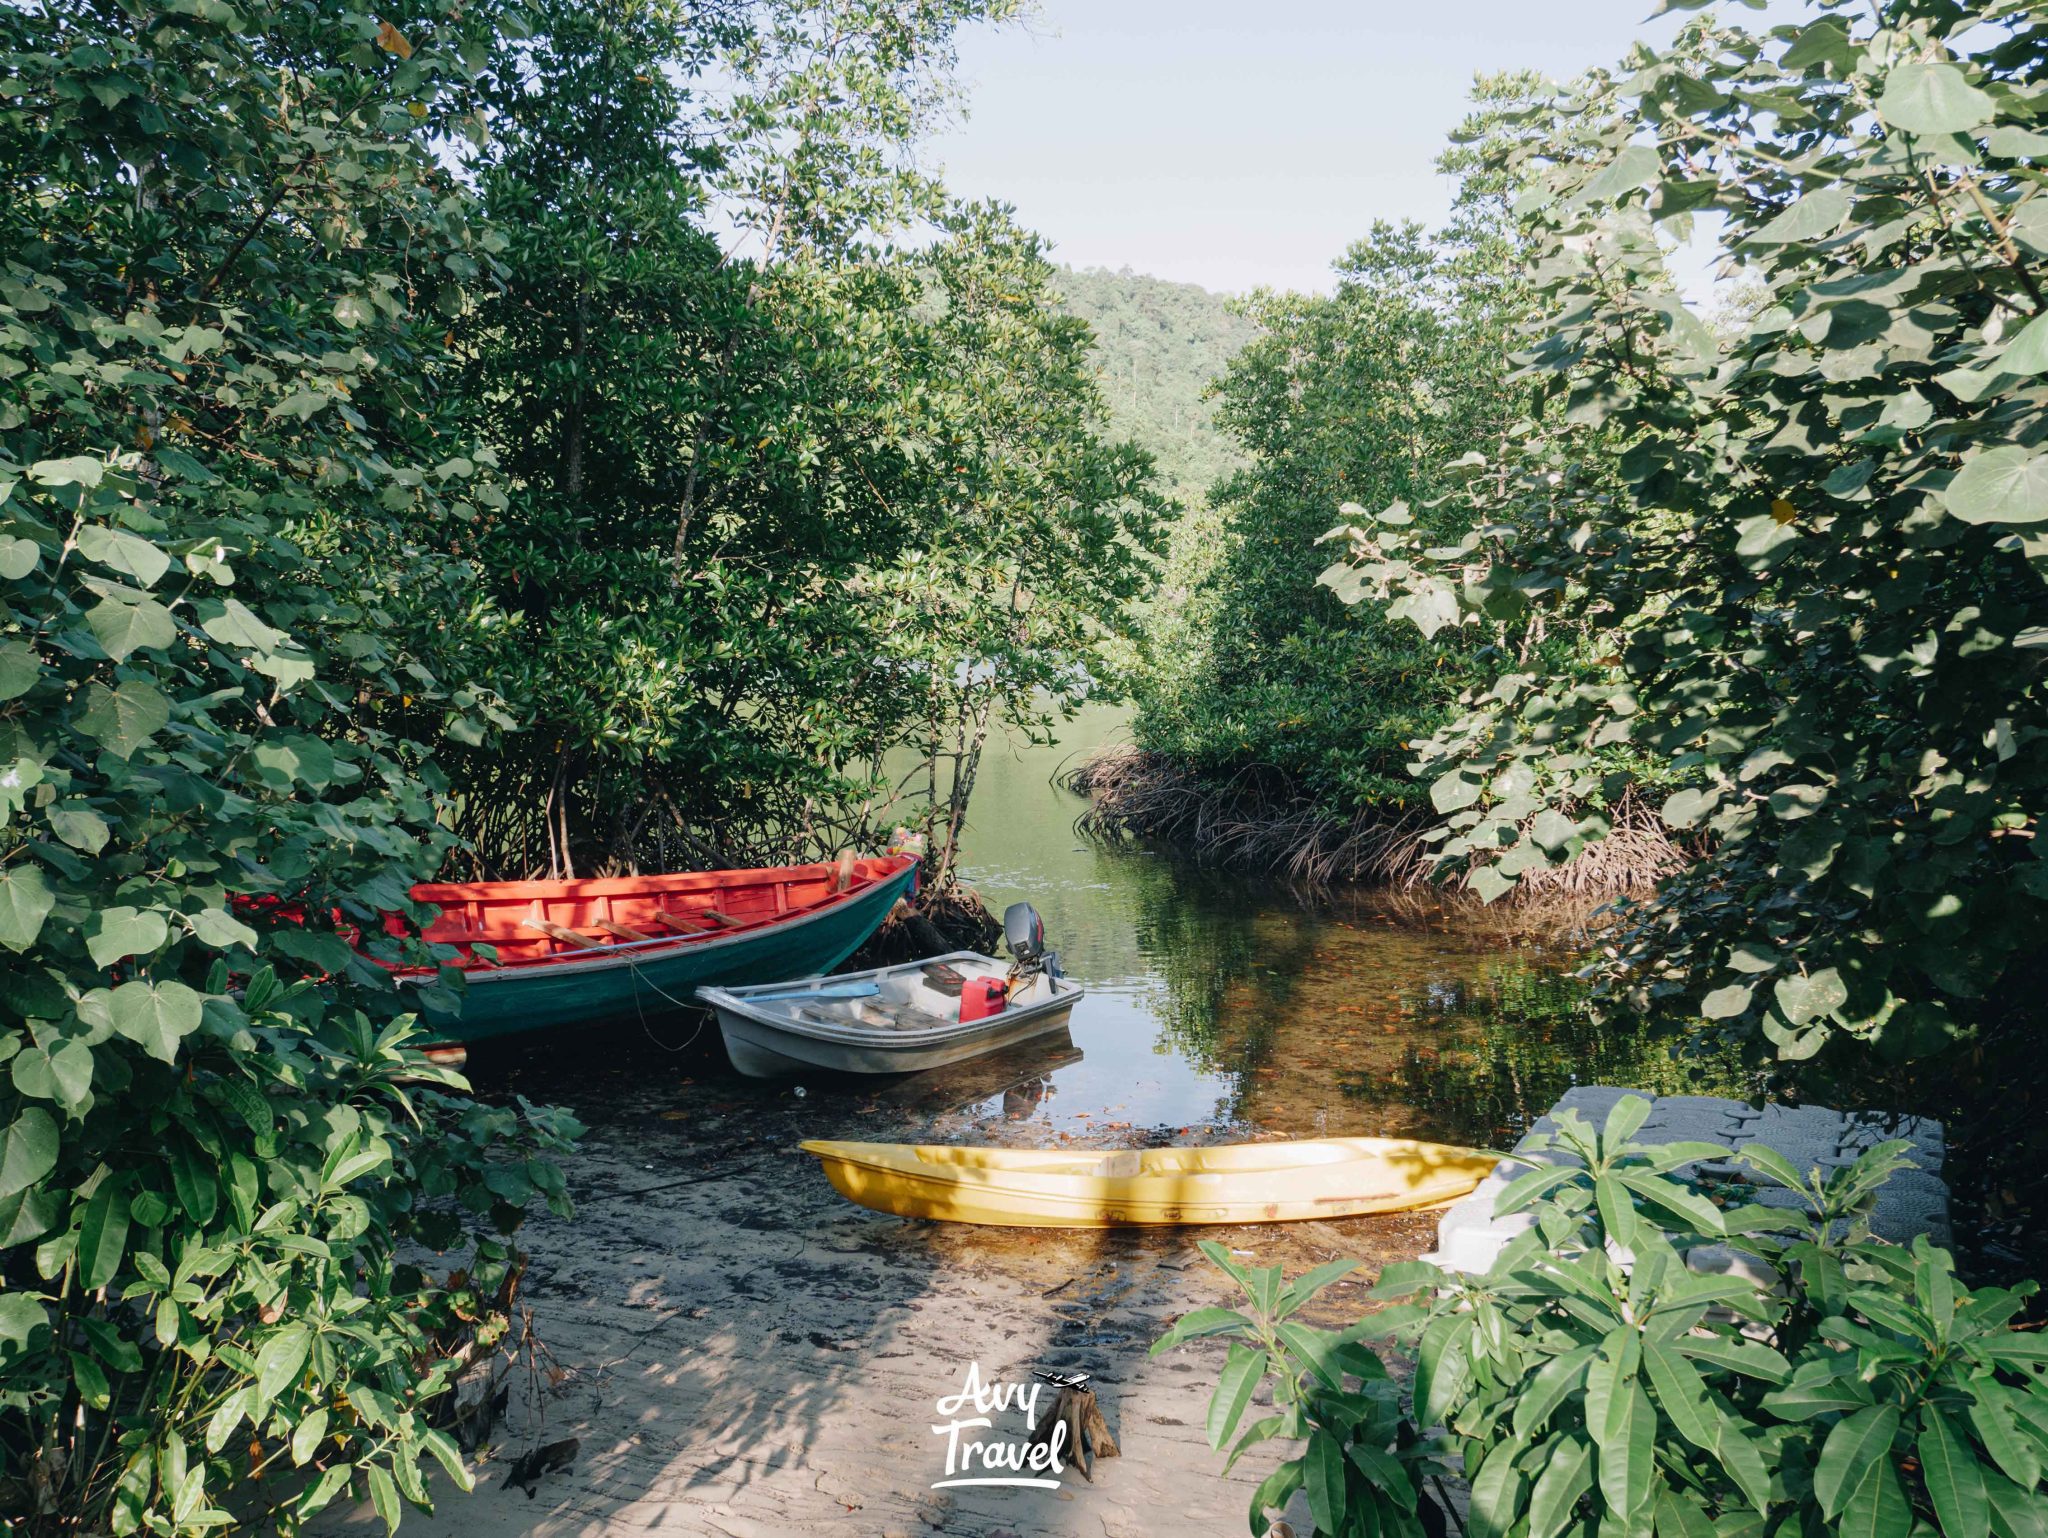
(775, 512)
(1531, 1037)
(361, 493)
(1362, 394)
(1650, 1358)
(1360, 1468)
(226, 651)
(1821, 574)
(1159, 346)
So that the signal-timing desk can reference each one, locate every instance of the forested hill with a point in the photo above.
(1159, 344)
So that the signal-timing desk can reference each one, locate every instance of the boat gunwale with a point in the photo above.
(1067, 993)
(936, 1174)
(605, 958)
(685, 880)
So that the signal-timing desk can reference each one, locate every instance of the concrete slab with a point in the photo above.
(1914, 1201)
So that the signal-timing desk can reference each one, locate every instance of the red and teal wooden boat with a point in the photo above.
(568, 952)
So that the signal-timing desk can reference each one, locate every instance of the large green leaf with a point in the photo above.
(59, 1071)
(1567, 1475)
(1442, 1366)
(129, 554)
(1256, 1434)
(119, 932)
(1727, 1001)
(1932, 99)
(1452, 792)
(1954, 1481)
(1542, 1393)
(18, 557)
(1682, 1395)
(2011, 1449)
(24, 1326)
(19, 669)
(1628, 1455)
(194, 1179)
(1751, 1358)
(238, 625)
(1740, 1456)
(1803, 997)
(1682, 1516)
(124, 626)
(1624, 1120)
(1311, 1282)
(1852, 1448)
(78, 825)
(1316, 1348)
(1877, 1508)
(103, 1235)
(2001, 485)
(1688, 1207)
(307, 760)
(28, 1150)
(220, 929)
(280, 1359)
(1323, 1479)
(1617, 1211)
(384, 1498)
(123, 718)
(1497, 1493)
(156, 1016)
(2015, 1513)
(1808, 1396)
(1819, 213)
(1386, 1472)
(1636, 166)
(1199, 1322)
(2027, 353)
(1242, 1370)
(75, 470)
(25, 901)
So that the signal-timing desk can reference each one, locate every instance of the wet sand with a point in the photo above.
(740, 1351)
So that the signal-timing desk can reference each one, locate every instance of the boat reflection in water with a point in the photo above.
(1014, 1083)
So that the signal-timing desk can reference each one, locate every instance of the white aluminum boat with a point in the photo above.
(900, 1019)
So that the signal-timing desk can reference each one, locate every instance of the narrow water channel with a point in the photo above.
(1218, 1008)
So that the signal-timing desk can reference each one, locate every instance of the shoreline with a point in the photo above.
(739, 1351)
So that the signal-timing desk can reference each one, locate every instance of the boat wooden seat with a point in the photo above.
(700, 922)
(564, 934)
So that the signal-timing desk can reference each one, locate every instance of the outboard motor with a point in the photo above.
(1024, 933)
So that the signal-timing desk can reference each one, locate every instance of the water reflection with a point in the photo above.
(1222, 1005)
(1218, 1008)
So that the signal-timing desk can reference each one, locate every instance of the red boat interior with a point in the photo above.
(542, 921)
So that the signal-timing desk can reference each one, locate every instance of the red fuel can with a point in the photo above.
(981, 997)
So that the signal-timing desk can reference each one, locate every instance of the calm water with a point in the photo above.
(1216, 1002)
(1217, 1007)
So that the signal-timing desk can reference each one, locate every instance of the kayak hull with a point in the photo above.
(628, 980)
(1230, 1183)
(771, 1033)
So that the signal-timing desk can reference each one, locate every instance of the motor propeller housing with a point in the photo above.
(1024, 933)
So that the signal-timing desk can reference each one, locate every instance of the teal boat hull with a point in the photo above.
(631, 982)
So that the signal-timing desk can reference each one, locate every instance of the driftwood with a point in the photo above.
(1088, 1435)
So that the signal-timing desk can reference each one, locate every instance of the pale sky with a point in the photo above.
(1231, 144)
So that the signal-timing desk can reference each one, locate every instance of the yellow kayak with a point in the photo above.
(1335, 1177)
